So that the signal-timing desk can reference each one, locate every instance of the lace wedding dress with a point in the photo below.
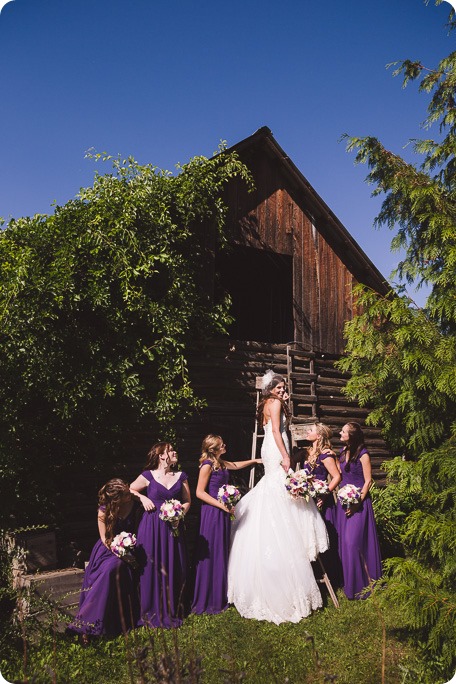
(274, 538)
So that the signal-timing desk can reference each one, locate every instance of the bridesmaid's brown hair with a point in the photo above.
(153, 457)
(110, 498)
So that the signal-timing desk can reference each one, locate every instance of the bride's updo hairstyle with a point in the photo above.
(210, 450)
(269, 381)
(110, 497)
(324, 433)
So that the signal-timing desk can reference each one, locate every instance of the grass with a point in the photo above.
(341, 646)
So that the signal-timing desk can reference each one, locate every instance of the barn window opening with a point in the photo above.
(260, 284)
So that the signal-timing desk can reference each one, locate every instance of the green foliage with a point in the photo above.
(99, 304)
(403, 366)
(416, 513)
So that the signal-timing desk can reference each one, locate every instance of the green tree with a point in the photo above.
(100, 303)
(402, 360)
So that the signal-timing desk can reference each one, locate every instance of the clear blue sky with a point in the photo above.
(166, 80)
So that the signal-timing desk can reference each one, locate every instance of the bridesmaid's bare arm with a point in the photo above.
(330, 464)
(238, 465)
(367, 474)
(333, 470)
(186, 496)
(136, 488)
(102, 526)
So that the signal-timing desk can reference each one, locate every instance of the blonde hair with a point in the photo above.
(323, 442)
(210, 451)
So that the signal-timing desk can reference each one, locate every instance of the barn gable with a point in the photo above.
(293, 265)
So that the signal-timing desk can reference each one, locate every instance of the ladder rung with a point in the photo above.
(303, 420)
(303, 376)
(307, 355)
(305, 397)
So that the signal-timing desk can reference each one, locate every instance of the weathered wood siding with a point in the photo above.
(275, 218)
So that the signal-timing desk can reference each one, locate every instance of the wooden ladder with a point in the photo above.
(256, 436)
(302, 383)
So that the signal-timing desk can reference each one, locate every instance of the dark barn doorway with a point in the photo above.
(261, 287)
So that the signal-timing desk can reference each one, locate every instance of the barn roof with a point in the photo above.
(324, 219)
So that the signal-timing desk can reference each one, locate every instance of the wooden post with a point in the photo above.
(255, 433)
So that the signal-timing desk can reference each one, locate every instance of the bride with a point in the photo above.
(274, 537)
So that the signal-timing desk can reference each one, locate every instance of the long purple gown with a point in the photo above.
(359, 549)
(163, 558)
(212, 548)
(329, 558)
(109, 601)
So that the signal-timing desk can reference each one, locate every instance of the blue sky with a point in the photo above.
(164, 81)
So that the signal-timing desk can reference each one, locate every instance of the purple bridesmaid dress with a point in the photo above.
(212, 548)
(109, 602)
(163, 558)
(329, 558)
(359, 549)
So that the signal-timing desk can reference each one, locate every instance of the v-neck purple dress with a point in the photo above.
(163, 558)
(109, 597)
(329, 558)
(212, 548)
(359, 549)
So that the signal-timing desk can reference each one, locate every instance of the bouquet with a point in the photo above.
(298, 484)
(229, 495)
(172, 511)
(318, 488)
(123, 545)
(349, 494)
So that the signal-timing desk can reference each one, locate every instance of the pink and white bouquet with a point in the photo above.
(298, 484)
(229, 495)
(349, 494)
(318, 488)
(123, 546)
(172, 511)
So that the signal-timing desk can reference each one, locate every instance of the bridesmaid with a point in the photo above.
(210, 595)
(359, 549)
(164, 556)
(108, 604)
(321, 462)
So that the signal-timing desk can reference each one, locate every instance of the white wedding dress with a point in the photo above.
(274, 538)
